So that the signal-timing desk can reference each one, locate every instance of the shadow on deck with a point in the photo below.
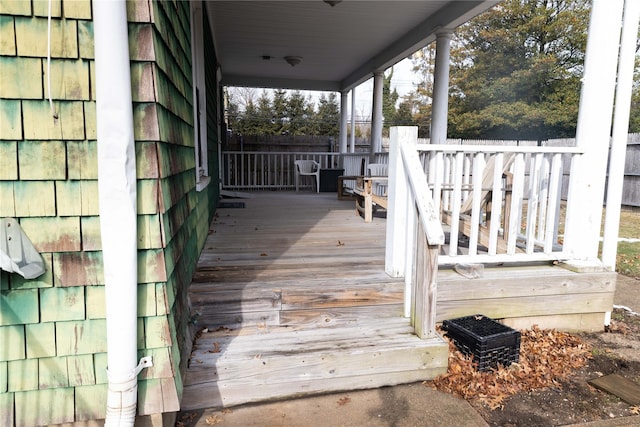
(292, 291)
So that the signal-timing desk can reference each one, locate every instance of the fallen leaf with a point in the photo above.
(213, 419)
(340, 243)
(263, 254)
(344, 400)
(216, 348)
(546, 357)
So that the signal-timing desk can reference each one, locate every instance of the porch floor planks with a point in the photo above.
(293, 291)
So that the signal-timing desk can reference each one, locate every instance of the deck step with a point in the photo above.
(284, 300)
(232, 367)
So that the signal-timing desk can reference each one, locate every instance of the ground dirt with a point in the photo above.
(572, 400)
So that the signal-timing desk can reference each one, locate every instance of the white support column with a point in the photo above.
(440, 108)
(376, 113)
(343, 121)
(620, 132)
(352, 148)
(588, 171)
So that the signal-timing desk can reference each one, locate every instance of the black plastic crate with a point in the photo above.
(489, 342)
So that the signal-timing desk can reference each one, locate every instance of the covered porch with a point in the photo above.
(293, 293)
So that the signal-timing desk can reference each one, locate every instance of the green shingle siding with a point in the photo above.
(75, 198)
(142, 82)
(10, 119)
(95, 302)
(146, 160)
(151, 266)
(31, 37)
(54, 234)
(19, 307)
(22, 375)
(69, 79)
(39, 123)
(81, 370)
(91, 239)
(100, 368)
(81, 337)
(77, 9)
(34, 198)
(147, 300)
(6, 409)
(52, 373)
(41, 8)
(149, 203)
(60, 304)
(77, 269)
(14, 69)
(85, 40)
(141, 46)
(8, 160)
(156, 331)
(149, 232)
(145, 122)
(82, 159)
(90, 402)
(15, 7)
(3, 380)
(42, 160)
(41, 340)
(7, 35)
(44, 407)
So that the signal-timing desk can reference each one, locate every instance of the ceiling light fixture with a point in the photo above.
(332, 2)
(293, 60)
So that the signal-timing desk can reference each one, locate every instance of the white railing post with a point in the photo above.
(397, 215)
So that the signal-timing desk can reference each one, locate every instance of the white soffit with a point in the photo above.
(340, 46)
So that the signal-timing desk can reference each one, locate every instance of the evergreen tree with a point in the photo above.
(264, 116)
(298, 114)
(516, 70)
(328, 116)
(279, 112)
(389, 99)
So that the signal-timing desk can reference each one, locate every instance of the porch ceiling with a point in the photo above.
(340, 46)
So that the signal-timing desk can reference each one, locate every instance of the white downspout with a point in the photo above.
(117, 199)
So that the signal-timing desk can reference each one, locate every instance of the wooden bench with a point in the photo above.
(366, 198)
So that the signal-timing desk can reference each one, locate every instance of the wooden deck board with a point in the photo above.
(293, 292)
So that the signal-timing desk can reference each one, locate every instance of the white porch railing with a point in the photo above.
(270, 170)
(500, 203)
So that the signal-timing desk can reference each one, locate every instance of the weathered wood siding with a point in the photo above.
(52, 329)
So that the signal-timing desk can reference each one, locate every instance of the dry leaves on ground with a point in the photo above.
(546, 357)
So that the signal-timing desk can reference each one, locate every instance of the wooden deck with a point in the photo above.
(293, 292)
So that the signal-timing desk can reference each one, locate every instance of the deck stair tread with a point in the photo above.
(282, 362)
